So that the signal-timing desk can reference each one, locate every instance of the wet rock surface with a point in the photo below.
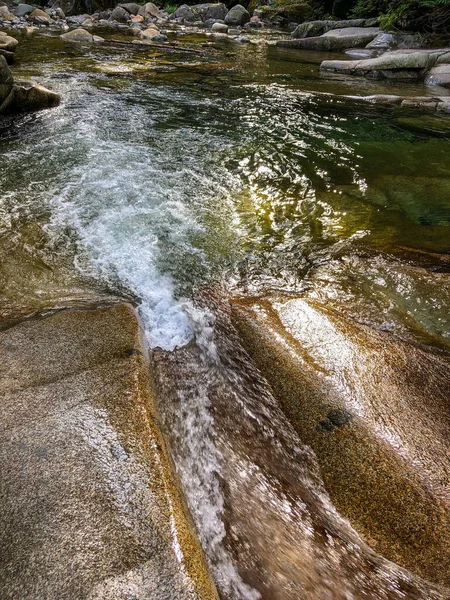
(382, 445)
(23, 96)
(89, 506)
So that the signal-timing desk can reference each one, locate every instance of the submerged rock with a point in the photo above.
(90, 507)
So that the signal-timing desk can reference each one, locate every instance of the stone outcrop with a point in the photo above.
(89, 505)
(334, 40)
(399, 64)
(23, 96)
(318, 28)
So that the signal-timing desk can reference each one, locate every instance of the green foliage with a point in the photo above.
(417, 15)
(292, 10)
(170, 8)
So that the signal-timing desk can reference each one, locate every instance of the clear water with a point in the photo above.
(165, 173)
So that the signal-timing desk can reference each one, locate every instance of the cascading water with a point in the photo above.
(157, 191)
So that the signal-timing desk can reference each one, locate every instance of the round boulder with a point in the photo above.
(238, 15)
(77, 35)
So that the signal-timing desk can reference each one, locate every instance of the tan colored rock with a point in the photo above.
(150, 10)
(8, 43)
(137, 19)
(77, 35)
(89, 506)
(40, 16)
(149, 33)
(30, 96)
(5, 15)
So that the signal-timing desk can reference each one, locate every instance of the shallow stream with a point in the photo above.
(227, 190)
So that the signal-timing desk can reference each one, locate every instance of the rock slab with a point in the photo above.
(89, 507)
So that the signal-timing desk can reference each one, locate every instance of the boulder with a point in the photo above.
(184, 13)
(149, 11)
(238, 15)
(400, 64)
(439, 75)
(40, 16)
(23, 9)
(120, 14)
(204, 12)
(77, 35)
(7, 42)
(5, 15)
(131, 7)
(334, 40)
(149, 33)
(6, 82)
(317, 28)
(383, 41)
(30, 96)
(90, 506)
(219, 28)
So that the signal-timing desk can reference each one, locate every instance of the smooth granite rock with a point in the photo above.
(89, 506)
(334, 40)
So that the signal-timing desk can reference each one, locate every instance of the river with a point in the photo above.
(268, 229)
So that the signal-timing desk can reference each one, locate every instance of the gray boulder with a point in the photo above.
(149, 11)
(383, 41)
(185, 13)
(317, 28)
(334, 40)
(238, 15)
(207, 11)
(219, 27)
(120, 14)
(131, 7)
(77, 35)
(400, 64)
(23, 9)
(439, 75)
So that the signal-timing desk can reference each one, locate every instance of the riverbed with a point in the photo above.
(288, 251)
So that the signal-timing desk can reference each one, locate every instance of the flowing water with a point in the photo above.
(182, 180)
